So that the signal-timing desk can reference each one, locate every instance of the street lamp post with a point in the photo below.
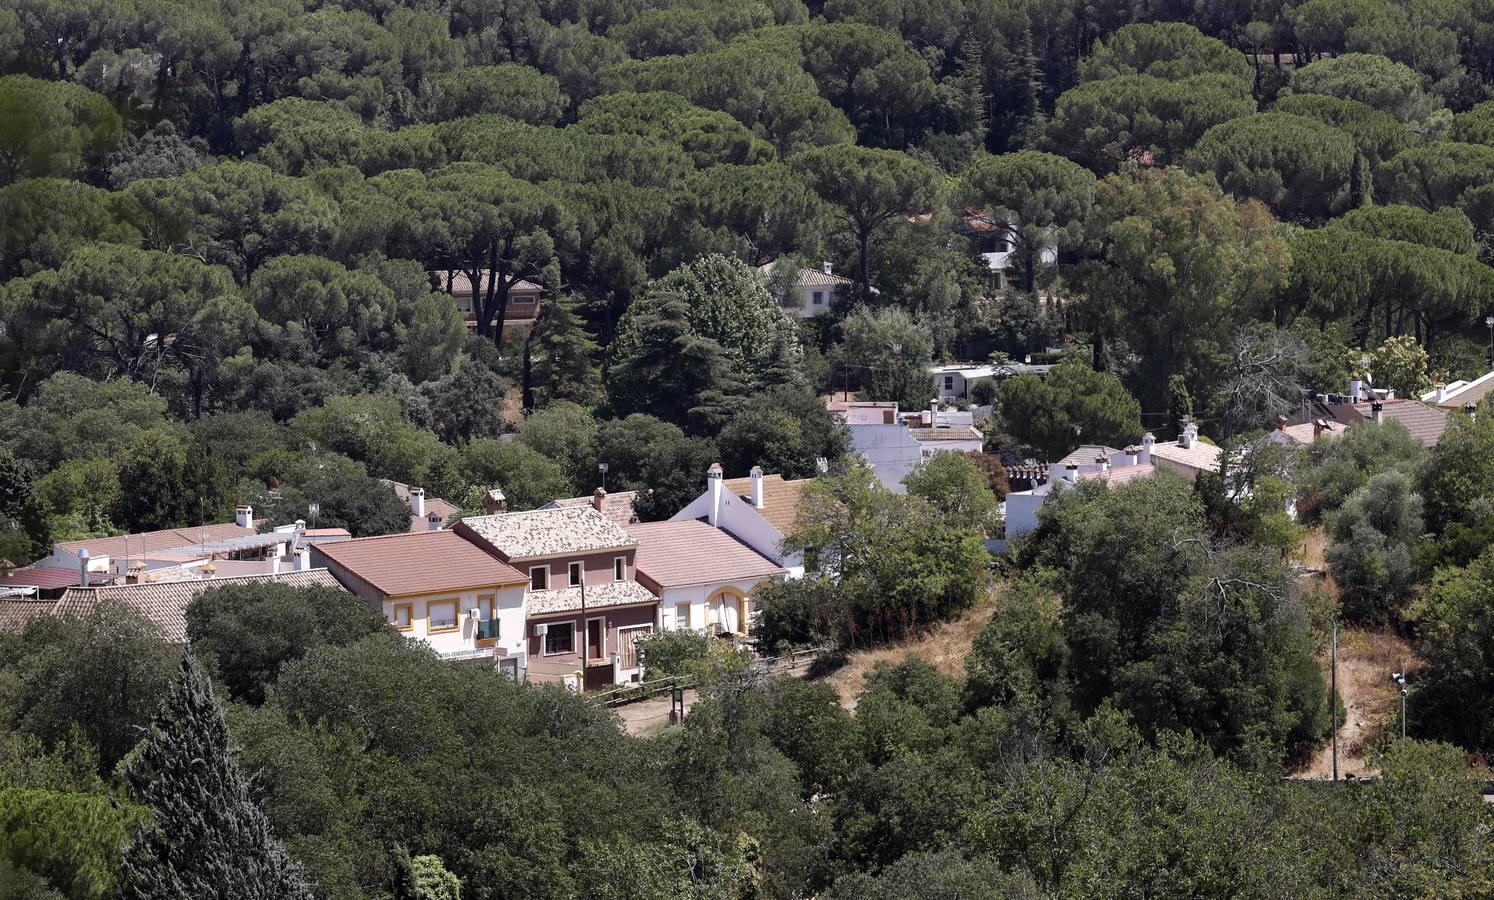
(1400, 680)
(312, 512)
(602, 468)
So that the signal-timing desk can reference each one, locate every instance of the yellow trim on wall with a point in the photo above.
(456, 615)
(409, 609)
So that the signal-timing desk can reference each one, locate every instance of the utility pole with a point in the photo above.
(1333, 693)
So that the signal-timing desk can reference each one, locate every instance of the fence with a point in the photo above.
(621, 694)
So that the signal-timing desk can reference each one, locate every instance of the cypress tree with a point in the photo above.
(210, 840)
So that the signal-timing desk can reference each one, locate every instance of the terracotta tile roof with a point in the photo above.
(165, 604)
(1122, 474)
(689, 551)
(618, 507)
(930, 435)
(780, 499)
(1201, 456)
(400, 564)
(153, 541)
(806, 277)
(1086, 455)
(1465, 393)
(17, 612)
(432, 505)
(548, 532)
(1426, 423)
(461, 284)
(1306, 432)
(598, 596)
(42, 577)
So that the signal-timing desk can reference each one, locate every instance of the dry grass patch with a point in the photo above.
(944, 646)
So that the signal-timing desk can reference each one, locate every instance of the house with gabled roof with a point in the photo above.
(616, 506)
(584, 607)
(703, 576)
(426, 513)
(759, 510)
(164, 603)
(809, 292)
(436, 587)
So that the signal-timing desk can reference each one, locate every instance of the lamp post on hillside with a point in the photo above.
(1400, 681)
(602, 468)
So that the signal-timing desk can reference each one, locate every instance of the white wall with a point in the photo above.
(889, 449)
(805, 293)
(704, 616)
(747, 525)
(509, 606)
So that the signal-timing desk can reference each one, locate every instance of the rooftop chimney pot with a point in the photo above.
(243, 516)
(417, 501)
(598, 499)
(758, 501)
(494, 502)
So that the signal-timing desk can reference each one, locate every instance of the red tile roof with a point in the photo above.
(400, 564)
(780, 499)
(17, 612)
(617, 507)
(155, 541)
(689, 551)
(165, 603)
(1426, 423)
(42, 577)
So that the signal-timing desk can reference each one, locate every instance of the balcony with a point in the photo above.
(487, 630)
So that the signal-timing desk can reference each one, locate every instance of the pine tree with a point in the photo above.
(210, 840)
(563, 359)
(24, 534)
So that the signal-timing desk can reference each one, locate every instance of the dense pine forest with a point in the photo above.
(230, 234)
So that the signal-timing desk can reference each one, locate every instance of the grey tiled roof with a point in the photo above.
(548, 532)
(598, 596)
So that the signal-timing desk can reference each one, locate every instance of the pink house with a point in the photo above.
(584, 607)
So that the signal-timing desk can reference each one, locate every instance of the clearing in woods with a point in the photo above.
(944, 646)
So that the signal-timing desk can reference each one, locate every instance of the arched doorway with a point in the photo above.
(727, 611)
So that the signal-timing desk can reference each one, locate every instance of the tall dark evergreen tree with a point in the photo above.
(562, 359)
(210, 840)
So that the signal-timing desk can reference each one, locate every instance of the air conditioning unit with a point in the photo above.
(541, 629)
(474, 613)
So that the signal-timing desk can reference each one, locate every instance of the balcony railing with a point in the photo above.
(487, 630)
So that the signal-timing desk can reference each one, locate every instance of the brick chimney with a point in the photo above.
(757, 488)
(494, 502)
(598, 499)
(417, 501)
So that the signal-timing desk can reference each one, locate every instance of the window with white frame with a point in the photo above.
(682, 615)
(620, 569)
(576, 574)
(560, 637)
(819, 298)
(539, 578)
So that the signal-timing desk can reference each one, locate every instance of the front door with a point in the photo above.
(596, 639)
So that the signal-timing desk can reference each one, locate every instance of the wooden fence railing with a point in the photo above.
(621, 694)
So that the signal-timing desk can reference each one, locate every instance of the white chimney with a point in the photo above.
(1145, 459)
(598, 499)
(713, 485)
(1103, 462)
(757, 488)
(417, 501)
(303, 559)
(1377, 412)
(1189, 435)
(1131, 453)
(83, 566)
(1355, 387)
(1441, 393)
(1070, 472)
(1472, 410)
(243, 516)
(934, 413)
(828, 266)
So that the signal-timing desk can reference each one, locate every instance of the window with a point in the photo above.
(401, 614)
(1002, 246)
(440, 615)
(560, 638)
(620, 569)
(539, 578)
(682, 615)
(949, 382)
(576, 574)
(486, 628)
(819, 298)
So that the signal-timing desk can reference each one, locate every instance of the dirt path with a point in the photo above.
(945, 647)
(1366, 660)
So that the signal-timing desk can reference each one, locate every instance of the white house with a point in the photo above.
(438, 588)
(759, 510)
(1091, 461)
(955, 379)
(812, 291)
(893, 450)
(704, 577)
(993, 234)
